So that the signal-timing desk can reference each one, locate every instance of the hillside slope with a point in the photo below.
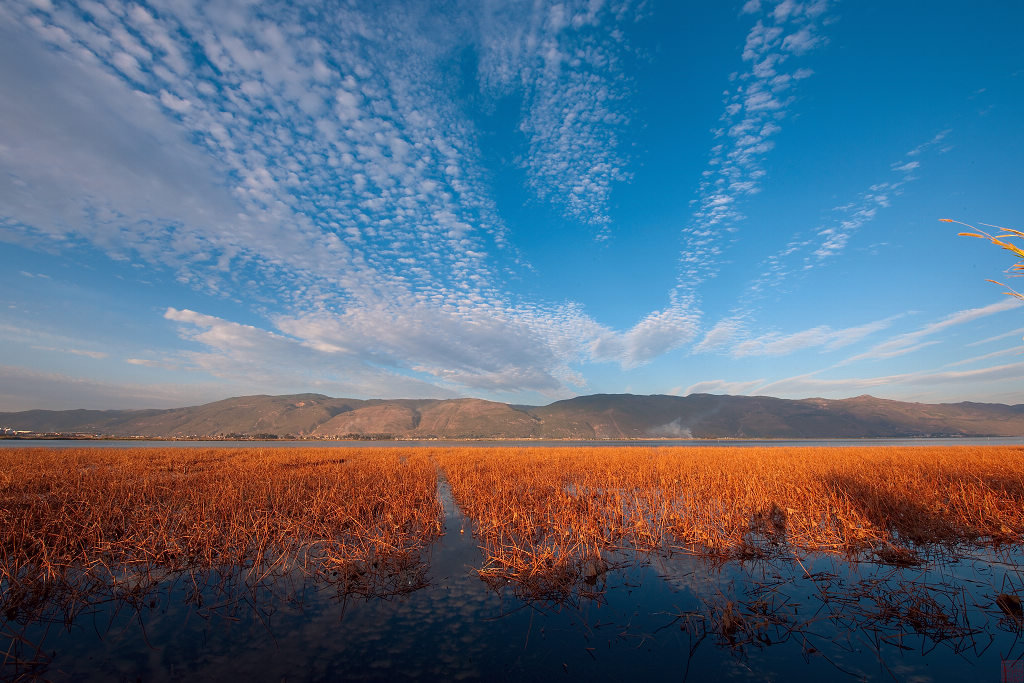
(600, 416)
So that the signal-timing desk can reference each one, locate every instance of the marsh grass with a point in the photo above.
(546, 517)
(87, 525)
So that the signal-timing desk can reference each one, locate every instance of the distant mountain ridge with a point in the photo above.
(599, 416)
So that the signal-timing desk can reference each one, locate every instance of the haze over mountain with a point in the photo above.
(600, 416)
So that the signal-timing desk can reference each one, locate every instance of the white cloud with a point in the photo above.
(830, 239)
(906, 167)
(733, 336)
(60, 124)
(45, 340)
(176, 206)
(566, 61)
(937, 139)
(482, 346)
(660, 332)
(721, 386)
(754, 110)
(833, 238)
(912, 341)
(775, 344)
(248, 356)
(152, 363)
(1016, 350)
(724, 334)
(470, 347)
(949, 385)
(1012, 333)
(96, 355)
(22, 389)
(801, 41)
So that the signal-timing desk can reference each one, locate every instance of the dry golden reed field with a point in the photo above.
(83, 525)
(80, 524)
(554, 513)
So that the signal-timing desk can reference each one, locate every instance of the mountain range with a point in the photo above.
(599, 416)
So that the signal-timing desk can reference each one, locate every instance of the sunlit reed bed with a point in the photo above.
(551, 517)
(81, 525)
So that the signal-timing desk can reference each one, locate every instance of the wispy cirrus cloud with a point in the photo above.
(1012, 333)
(822, 336)
(733, 336)
(566, 60)
(1013, 351)
(53, 342)
(23, 389)
(754, 111)
(954, 385)
(153, 363)
(912, 341)
(96, 355)
(810, 249)
(832, 238)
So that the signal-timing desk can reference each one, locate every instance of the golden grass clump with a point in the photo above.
(1003, 241)
(78, 524)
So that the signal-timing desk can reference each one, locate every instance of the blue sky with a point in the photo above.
(521, 201)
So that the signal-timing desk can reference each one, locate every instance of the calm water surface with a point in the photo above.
(665, 618)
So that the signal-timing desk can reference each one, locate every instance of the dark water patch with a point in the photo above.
(822, 618)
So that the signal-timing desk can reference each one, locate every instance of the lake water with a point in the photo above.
(525, 443)
(664, 618)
